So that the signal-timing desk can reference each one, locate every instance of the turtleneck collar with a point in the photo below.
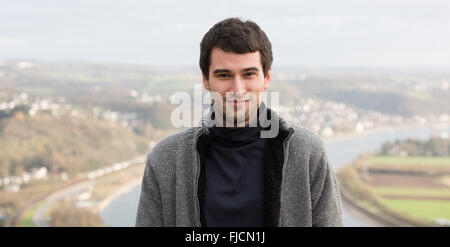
(236, 136)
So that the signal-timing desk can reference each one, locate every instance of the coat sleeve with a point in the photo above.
(326, 199)
(149, 211)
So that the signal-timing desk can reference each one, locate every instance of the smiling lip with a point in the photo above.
(237, 102)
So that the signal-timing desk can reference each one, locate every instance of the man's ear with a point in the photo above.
(205, 82)
(268, 78)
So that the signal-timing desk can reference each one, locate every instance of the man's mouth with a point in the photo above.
(237, 102)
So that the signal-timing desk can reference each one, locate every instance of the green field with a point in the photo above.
(420, 204)
(408, 160)
(405, 191)
(421, 209)
(413, 164)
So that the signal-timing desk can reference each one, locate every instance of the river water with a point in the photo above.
(122, 211)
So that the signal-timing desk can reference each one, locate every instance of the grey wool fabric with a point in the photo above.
(308, 196)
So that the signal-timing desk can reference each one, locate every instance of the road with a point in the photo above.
(40, 218)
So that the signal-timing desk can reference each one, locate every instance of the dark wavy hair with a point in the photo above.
(235, 35)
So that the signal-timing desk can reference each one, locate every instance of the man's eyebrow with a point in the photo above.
(250, 69)
(217, 71)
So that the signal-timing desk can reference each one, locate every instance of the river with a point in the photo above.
(122, 211)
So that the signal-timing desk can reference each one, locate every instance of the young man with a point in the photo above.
(223, 172)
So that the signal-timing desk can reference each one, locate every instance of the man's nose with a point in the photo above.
(238, 85)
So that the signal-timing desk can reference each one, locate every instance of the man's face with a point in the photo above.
(239, 80)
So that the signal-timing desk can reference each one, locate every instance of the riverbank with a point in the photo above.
(113, 187)
(367, 214)
(124, 189)
(410, 196)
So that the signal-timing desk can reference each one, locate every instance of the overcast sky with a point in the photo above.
(382, 33)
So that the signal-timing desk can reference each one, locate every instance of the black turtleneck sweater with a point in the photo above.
(234, 177)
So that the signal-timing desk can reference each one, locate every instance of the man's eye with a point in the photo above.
(249, 74)
(223, 75)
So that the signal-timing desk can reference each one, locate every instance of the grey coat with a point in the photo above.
(305, 194)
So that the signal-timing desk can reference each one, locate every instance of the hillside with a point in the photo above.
(70, 145)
